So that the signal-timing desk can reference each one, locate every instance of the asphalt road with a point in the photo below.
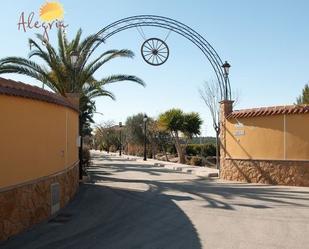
(133, 205)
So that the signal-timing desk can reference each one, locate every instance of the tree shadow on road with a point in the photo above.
(223, 195)
(118, 168)
(103, 217)
(115, 218)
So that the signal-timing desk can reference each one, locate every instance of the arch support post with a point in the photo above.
(226, 107)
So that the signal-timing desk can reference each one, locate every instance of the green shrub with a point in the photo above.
(208, 150)
(196, 161)
(191, 150)
(204, 150)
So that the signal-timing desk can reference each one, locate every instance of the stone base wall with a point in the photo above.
(293, 173)
(23, 206)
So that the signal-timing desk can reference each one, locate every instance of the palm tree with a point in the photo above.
(64, 76)
(172, 121)
(175, 121)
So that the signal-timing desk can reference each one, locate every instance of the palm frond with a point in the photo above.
(61, 76)
(75, 43)
(98, 63)
(22, 70)
(120, 77)
(62, 50)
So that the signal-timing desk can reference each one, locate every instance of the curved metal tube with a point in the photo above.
(177, 27)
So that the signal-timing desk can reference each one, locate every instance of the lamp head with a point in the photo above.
(74, 57)
(226, 67)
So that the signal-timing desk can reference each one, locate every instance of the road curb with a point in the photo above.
(203, 172)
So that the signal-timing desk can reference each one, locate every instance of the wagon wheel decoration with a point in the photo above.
(155, 51)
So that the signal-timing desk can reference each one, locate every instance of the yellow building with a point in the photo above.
(267, 145)
(38, 155)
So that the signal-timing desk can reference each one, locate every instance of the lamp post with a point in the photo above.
(226, 67)
(73, 58)
(107, 139)
(226, 70)
(120, 126)
(145, 137)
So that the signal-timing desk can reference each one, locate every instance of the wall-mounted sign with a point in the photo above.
(51, 15)
(239, 133)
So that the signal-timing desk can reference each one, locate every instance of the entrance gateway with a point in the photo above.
(155, 51)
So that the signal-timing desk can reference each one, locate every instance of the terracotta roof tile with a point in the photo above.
(269, 111)
(13, 88)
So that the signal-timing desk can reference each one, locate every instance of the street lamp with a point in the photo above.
(145, 136)
(226, 67)
(74, 57)
(120, 126)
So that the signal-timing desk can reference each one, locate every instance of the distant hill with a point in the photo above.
(203, 140)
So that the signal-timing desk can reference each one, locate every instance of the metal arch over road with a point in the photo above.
(177, 27)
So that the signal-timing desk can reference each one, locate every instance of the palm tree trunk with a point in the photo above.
(180, 152)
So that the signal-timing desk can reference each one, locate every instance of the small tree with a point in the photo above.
(192, 125)
(176, 121)
(107, 136)
(135, 134)
(158, 138)
(172, 121)
(134, 129)
(152, 135)
(210, 94)
(163, 140)
(304, 97)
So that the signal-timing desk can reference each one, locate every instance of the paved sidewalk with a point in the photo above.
(203, 172)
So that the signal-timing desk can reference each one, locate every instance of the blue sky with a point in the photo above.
(266, 42)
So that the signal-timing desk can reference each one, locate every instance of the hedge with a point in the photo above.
(204, 150)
